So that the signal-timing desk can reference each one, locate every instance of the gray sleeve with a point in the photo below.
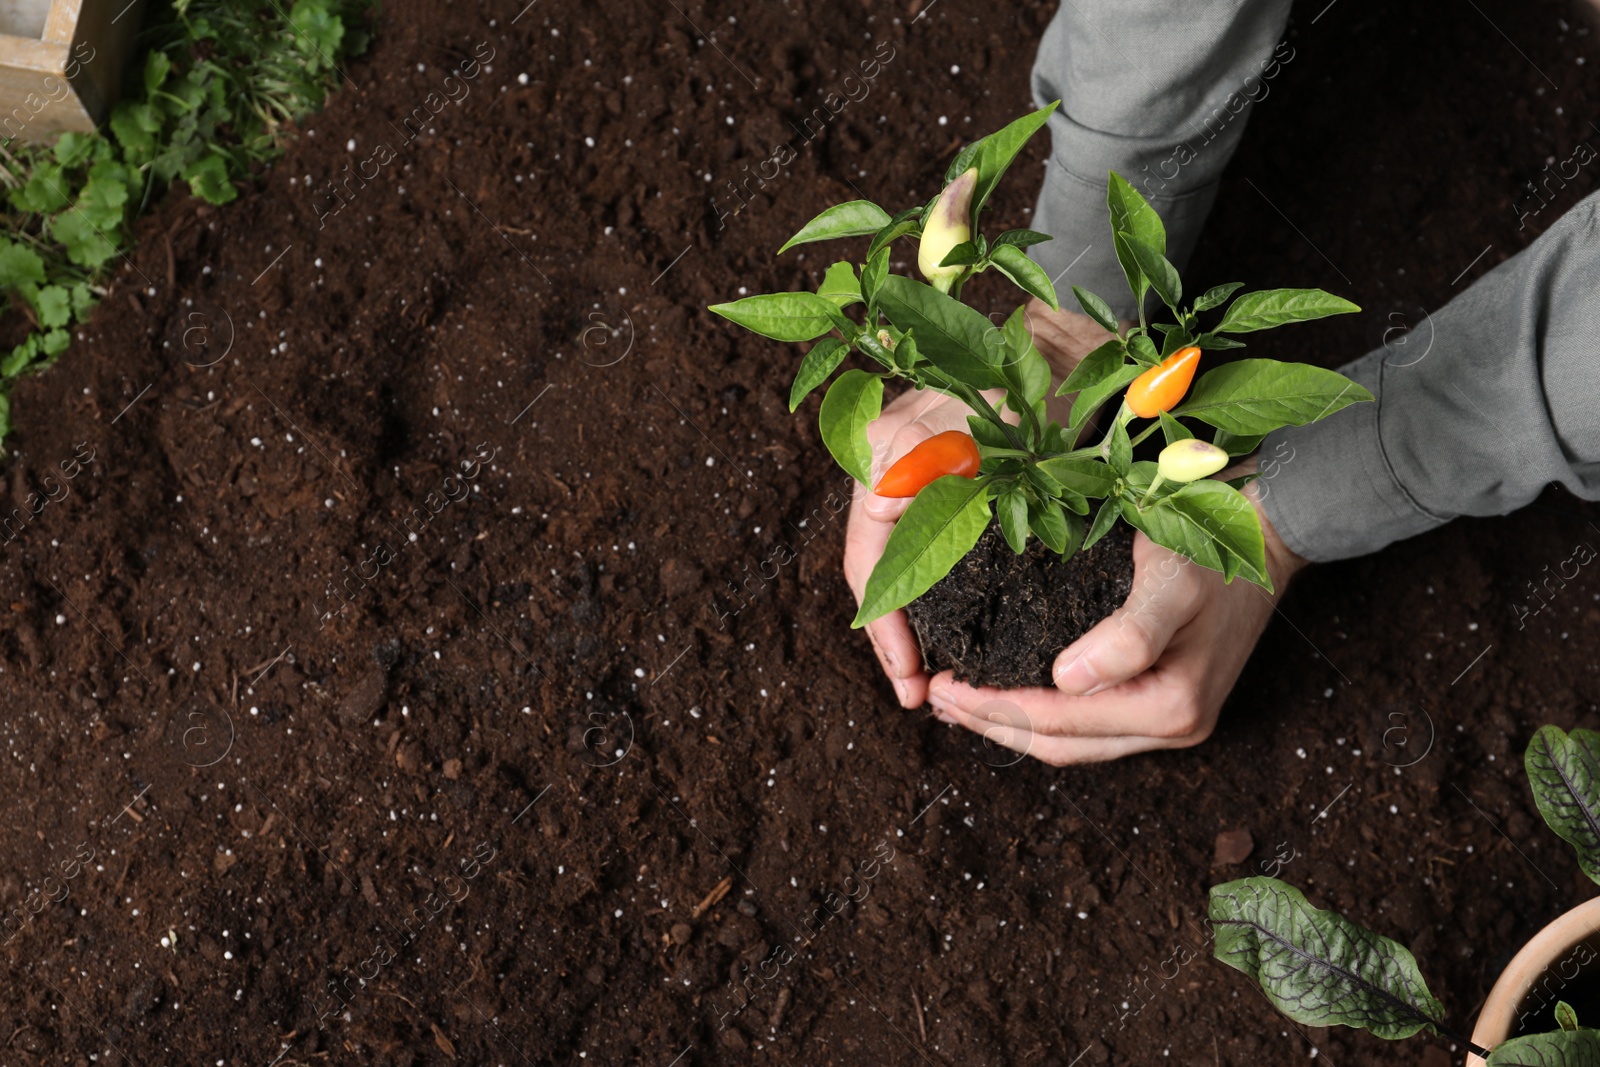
(1490, 400)
(1158, 92)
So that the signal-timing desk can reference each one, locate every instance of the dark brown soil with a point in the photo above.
(1000, 619)
(599, 743)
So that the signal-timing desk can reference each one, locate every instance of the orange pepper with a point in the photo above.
(951, 452)
(1162, 386)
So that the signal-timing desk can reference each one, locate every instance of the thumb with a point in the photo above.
(1165, 596)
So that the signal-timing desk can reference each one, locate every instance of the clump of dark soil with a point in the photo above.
(999, 618)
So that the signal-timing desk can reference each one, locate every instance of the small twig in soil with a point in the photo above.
(921, 1029)
(712, 897)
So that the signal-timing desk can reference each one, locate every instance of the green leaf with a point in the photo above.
(942, 524)
(1256, 396)
(208, 179)
(86, 245)
(1216, 296)
(1090, 397)
(55, 342)
(873, 273)
(1564, 774)
(1022, 238)
(1317, 967)
(1561, 1048)
(1141, 348)
(962, 255)
(320, 27)
(74, 148)
(823, 359)
(19, 265)
(907, 221)
(1026, 373)
(54, 306)
(1205, 520)
(1132, 214)
(1050, 523)
(994, 153)
(1096, 309)
(1161, 274)
(1029, 276)
(156, 68)
(1210, 342)
(986, 433)
(951, 335)
(1012, 511)
(839, 284)
(135, 125)
(1237, 444)
(852, 402)
(104, 197)
(1082, 474)
(1172, 429)
(1104, 519)
(1119, 449)
(1566, 1018)
(1174, 338)
(1094, 368)
(781, 316)
(857, 218)
(45, 192)
(1275, 307)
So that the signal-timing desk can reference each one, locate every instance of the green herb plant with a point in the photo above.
(1036, 477)
(219, 86)
(1321, 969)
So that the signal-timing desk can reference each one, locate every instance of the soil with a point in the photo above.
(999, 619)
(600, 737)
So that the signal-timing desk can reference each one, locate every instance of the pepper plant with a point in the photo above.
(1321, 969)
(1033, 474)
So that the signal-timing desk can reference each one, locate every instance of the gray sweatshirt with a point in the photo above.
(1507, 398)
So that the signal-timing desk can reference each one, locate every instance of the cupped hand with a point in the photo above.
(1063, 338)
(1152, 675)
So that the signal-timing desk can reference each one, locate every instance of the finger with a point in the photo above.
(1056, 751)
(1166, 595)
(1159, 703)
(934, 415)
(891, 636)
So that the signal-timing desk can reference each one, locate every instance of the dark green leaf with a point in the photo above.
(1212, 343)
(1161, 275)
(839, 285)
(1216, 296)
(1566, 1018)
(1091, 397)
(962, 255)
(1026, 373)
(898, 227)
(1203, 520)
(1256, 396)
(986, 433)
(1094, 368)
(993, 154)
(1316, 967)
(1012, 511)
(1561, 1048)
(950, 334)
(1104, 519)
(1028, 275)
(823, 359)
(1050, 524)
(1082, 474)
(1275, 307)
(1141, 348)
(1118, 448)
(942, 524)
(1022, 238)
(1174, 338)
(1172, 429)
(782, 316)
(872, 275)
(1132, 214)
(1237, 444)
(1096, 309)
(1564, 774)
(851, 403)
(857, 218)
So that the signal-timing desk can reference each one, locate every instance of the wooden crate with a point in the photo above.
(61, 63)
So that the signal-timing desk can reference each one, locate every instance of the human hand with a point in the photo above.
(1152, 675)
(1063, 338)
